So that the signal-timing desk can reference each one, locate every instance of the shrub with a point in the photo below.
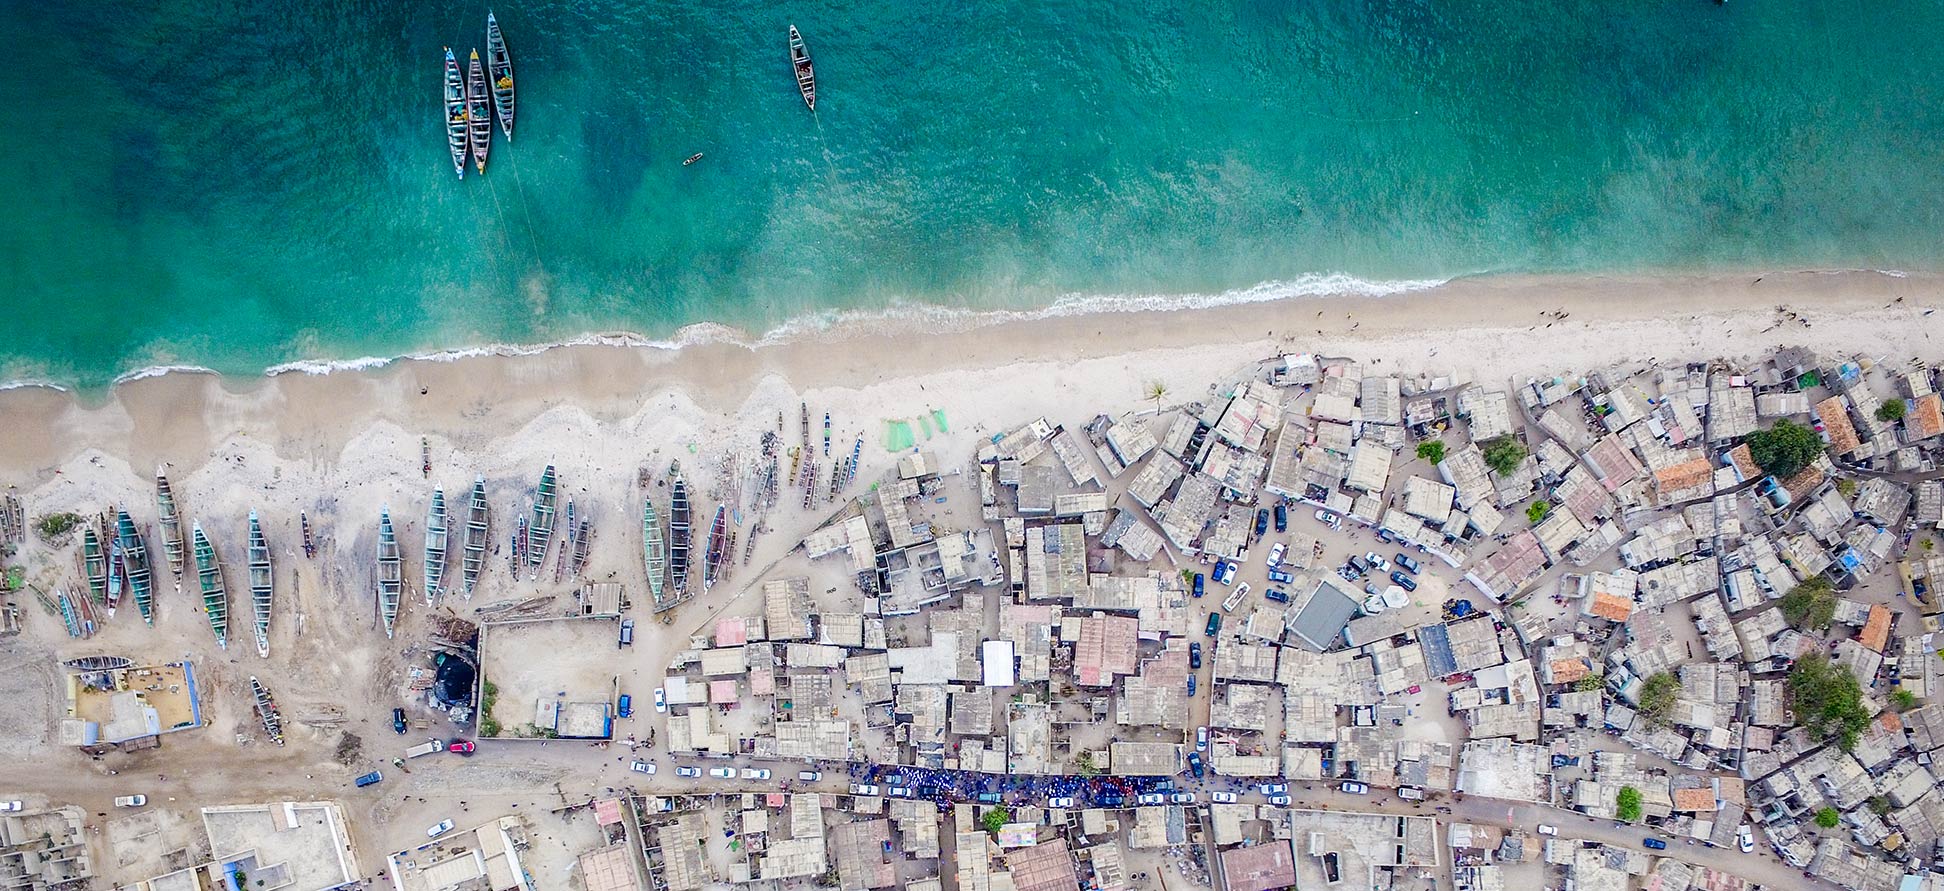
(53, 527)
(1810, 605)
(1537, 512)
(1784, 448)
(1626, 805)
(1504, 454)
(1827, 818)
(1827, 700)
(1902, 700)
(1657, 696)
(995, 819)
(1590, 683)
(1433, 451)
(1891, 411)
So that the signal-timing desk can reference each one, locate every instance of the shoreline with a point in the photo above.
(930, 318)
(1486, 328)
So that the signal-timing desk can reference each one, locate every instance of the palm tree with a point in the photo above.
(1155, 391)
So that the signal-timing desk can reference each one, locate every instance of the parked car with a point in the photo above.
(1408, 564)
(1191, 685)
(398, 721)
(642, 767)
(1279, 800)
(1225, 572)
(661, 700)
(756, 773)
(1214, 624)
(625, 707)
(1182, 798)
(135, 800)
(723, 773)
(627, 633)
(863, 789)
(460, 746)
(1195, 764)
(1276, 594)
(809, 776)
(1410, 793)
(1548, 829)
(1222, 797)
(1234, 599)
(1404, 581)
(1376, 562)
(1357, 565)
(1152, 798)
(1194, 655)
(1385, 535)
(1281, 576)
(1276, 554)
(1282, 517)
(1353, 787)
(1262, 522)
(1061, 801)
(1654, 844)
(369, 779)
(11, 807)
(1273, 788)
(1745, 838)
(1201, 739)
(688, 771)
(988, 797)
(1330, 519)
(440, 828)
(1198, 584)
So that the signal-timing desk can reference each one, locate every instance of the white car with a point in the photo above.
(688, 771)
(723, 773)
(1201, 739)
(131, 801)
(863, 789)
(1222, 797)
(1279, 800)
(661, 700)
(1273, 788)
(1353, 787)
(1182, 798)
(642, 767)
(903, 792)
(1330, 519)
(440, 828)
(1378, 564)
(1153, 798)
(756, 773)
(1062, 801)
(1548, 829)
(1276, 554)
(809, 776)
(8, 807)
(1745, 839)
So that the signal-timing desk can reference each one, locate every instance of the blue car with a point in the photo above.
(1194, 655)
(369, 779)
(1404, 581)
(1407, 563)
(1214, 624)
(1262, 523)
(1195, 764)
(1281, 576)
(1191, 685)
(1282, 517)
(1198, 584)
(1654, 843)
(626, 706)
(1277, 594)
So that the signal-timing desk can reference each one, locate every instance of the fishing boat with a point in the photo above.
(94, 564)
(500, 63)
(458, 135)
(806, 77)
(117, 570)
(209, 572)
(391, 571)
(540, 531)
(654, 551)
(262, 586)
(171, 522)
(713, 558)
(479, 112)
(135, 566)
(692, 159)
(568, 545)
(583, 546)
(266, 709)
(519, 549)
(310, 546)
(435, 547)
(678, 531)
(473, 558)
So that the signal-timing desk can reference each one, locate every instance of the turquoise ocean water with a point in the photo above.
(240, 185)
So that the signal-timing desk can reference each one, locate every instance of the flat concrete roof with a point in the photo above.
(308, 838)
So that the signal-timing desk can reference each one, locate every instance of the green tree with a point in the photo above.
(1784, 448)
(1156, 390)
(1657, 696)
(1847, 487)
(1810, 605)
(1504, 454)
(1085, 764)
(1589, 684)
(1827, 818)
(1626, 805)
(1538, 511)
(1827, 700)
(1902, 699)
(1891, 411)
(995, 818)
(1432, 451)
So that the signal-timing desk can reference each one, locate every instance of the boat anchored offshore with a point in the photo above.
(479, 112)
(262, 586)
(209, 572)
(391, 571)
(806, 77)
(435, 547)
(458, 135)
(473, 556)
(500, 63)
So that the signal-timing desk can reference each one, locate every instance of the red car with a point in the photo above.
(462, 746)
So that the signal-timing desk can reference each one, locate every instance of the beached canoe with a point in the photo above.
(473, 558)
(435, 547)
(215, 597)
(391, 571)
(262, 586)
